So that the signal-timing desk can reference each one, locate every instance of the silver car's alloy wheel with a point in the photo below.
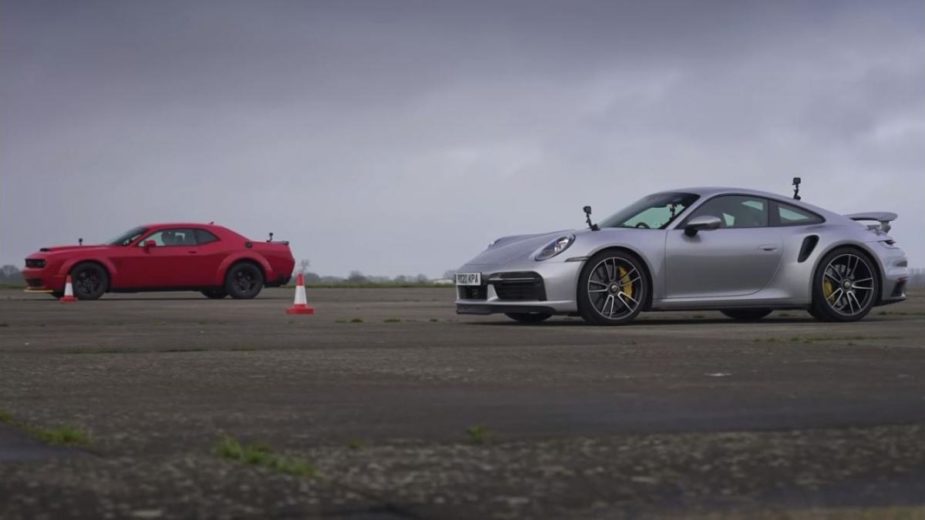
(615, 289)
(848, 284)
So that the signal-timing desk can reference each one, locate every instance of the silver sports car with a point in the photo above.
(742, 252)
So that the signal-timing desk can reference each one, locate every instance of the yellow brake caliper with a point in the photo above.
(628, 286)
(827, 288)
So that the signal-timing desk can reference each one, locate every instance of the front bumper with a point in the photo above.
(542, 287)
(42, 280)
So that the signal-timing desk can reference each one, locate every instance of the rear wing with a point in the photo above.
(883, 218)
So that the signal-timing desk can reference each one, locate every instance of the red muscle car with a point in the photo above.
(164, 257)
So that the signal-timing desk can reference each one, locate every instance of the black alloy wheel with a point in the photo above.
(244, 281)
(90, 280)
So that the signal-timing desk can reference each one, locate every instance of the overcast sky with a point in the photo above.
(402, 136)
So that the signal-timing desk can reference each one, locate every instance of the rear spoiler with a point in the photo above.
(883, 217)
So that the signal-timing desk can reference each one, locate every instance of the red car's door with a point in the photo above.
(166, 263)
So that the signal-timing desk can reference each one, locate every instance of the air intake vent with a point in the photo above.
(809, 243)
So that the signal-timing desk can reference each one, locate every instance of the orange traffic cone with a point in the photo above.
(300, 305)
(68, 292)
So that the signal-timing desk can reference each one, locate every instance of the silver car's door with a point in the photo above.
(738, 259)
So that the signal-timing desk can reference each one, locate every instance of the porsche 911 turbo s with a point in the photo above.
(742, 252)
(208, 258)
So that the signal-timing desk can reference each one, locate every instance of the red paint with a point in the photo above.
(134, 267)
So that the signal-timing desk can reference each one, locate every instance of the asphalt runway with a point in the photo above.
(410, 411)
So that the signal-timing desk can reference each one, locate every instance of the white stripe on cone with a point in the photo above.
(300, 304)
(68, 292)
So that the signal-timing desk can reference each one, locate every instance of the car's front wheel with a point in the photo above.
(90, 281)
(215, 294)
(845, 286)
(244, 281)
(746, 314)
(528, 317)
(612, 288)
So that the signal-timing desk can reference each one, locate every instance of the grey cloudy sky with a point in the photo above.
(401, 136)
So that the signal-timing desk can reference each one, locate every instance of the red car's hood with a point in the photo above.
(56, 249)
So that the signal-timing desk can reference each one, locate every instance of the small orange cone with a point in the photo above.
(68, 292)
(300, 305)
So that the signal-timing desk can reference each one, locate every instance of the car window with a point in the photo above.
(205, 237)
(652, 212)
(789, 215)
(172, 237)
(736, 211)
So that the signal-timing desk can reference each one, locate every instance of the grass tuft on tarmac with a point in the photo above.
(58, 436)
(478, 434)
(262, 455)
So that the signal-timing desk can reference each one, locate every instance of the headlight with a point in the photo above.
(555, 247)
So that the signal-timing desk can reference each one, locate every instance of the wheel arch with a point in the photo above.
(864, 249)
(265, 269)
(644, 262)
(107, 266)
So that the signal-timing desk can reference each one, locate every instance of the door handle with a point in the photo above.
(191, 252)
(768, 247)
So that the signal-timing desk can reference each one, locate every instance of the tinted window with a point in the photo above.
(205, 237)
(736, 211)
(172, 237)
(792, 216)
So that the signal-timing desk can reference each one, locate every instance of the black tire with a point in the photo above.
(214, 294)
(244, 281)
(90, 280)
(528, 317)
(845, 286)
(746, 314)
(610, 303)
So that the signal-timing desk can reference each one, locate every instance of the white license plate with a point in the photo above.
(468, 278)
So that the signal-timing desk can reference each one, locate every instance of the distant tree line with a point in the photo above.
(9, 274)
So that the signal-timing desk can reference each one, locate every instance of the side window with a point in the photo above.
(205, 237)
(789, 215)
(171, 237)
(736, 211)
(651, 218)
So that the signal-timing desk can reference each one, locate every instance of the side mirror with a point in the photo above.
(702, 223)
(149, 244)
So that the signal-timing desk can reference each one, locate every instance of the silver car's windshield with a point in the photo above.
(651, 212)
(128, 237)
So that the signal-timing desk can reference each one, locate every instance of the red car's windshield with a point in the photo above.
(128, 237)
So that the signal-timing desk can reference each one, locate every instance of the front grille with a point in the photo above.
(525, 286)
(473, 292)
(899, 290)
(35, 263)
(34, 282)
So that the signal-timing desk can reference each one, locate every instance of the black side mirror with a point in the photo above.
(702, 223)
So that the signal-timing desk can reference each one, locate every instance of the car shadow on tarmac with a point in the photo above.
(658, 321)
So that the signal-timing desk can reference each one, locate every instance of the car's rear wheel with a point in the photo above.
(612, 288)
(90, 280)
(845, 286)
(746, 314)
(215, 294)
(244, 281)
(528, 317)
